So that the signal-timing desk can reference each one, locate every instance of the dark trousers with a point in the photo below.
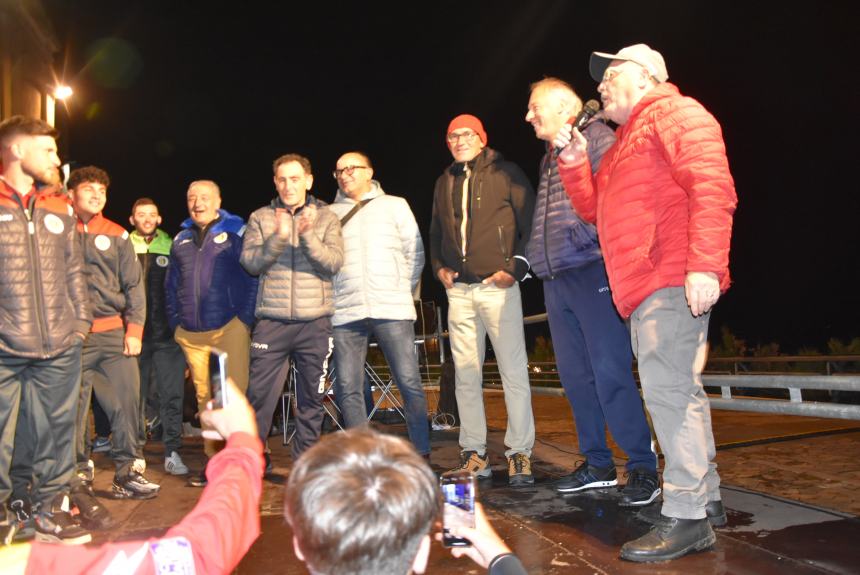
(162, 365)
(48, 390)
(273, 343)
(115, 379)
(595, 362)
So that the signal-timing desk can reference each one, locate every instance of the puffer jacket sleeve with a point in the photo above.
(249, 282)
(76, 281)
(600, 138)
(325, 254)
(693, 147)
(578, 184)
(410, 240)
(130, 281)
(523, 205)
(258, 255)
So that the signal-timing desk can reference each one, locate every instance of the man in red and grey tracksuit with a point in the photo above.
(109, 361)
(44, 316)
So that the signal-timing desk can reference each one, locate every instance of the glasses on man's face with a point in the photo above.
(348, 170)
(610, 75)
(468, 137)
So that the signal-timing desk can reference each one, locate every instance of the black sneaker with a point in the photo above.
(199, 479)
(57, 524)
(23, 514)
(642, 488)
(267, 467)
(134, 486)
(91, 513)
(585, 477)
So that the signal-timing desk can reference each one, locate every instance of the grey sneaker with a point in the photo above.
(478, 465)
(134, 486)
(174, 465)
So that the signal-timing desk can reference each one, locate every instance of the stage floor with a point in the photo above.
(790, 486)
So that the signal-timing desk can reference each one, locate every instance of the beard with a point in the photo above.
(46, 176)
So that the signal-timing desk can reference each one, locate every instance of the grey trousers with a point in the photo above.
(671, 348)
(115, 379)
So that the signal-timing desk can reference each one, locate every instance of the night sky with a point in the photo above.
(170, 92)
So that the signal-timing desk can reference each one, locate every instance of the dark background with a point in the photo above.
(170, 92)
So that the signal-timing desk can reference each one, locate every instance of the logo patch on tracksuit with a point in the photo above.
(172, 556)
(220, 238)
(52, 223)
(162, 261)
(102, 242)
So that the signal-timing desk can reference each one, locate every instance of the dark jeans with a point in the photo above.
(595, 363)
(396, 339)
(162, 364)
(45, 392)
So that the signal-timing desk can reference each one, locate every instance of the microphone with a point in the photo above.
(588, 111)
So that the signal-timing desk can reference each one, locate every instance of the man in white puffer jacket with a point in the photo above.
(383, 259)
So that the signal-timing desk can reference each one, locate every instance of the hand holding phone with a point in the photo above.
(459, 492)
(218, 388)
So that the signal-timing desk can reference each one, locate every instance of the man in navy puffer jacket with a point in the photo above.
(594, 356)
(210, 297)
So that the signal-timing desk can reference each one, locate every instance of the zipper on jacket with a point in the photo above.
(295, 237)
(502, 244)
(197, 283)
(36, 275)
(546, 219)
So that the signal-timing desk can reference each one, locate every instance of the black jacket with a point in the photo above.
(43, 290)
(501, 202)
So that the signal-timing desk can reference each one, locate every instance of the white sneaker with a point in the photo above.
(174, 465)
(139, 466)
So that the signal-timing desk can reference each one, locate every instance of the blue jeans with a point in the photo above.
(396, 339)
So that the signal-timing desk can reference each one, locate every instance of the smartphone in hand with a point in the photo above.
(217, 386)
(459, 492)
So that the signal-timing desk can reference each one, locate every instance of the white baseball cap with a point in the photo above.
(642, 54)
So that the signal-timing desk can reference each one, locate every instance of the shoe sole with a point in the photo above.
(101, 449)
(174, 471)
(699, 545)
(120, 493)
(51, 538)
(594, 485)
(516, 481)
(642, 503)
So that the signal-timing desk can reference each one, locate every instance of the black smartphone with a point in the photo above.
(217, 385)
(459, 491)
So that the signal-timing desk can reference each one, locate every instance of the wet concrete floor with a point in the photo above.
(790, 487)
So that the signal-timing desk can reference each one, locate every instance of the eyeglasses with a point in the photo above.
(468, 137)
(348, 170)
(611, 75)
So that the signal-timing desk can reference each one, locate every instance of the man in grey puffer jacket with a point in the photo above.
(373, 293)
(294, 244)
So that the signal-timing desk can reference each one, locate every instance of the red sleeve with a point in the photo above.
(693, 147)
(579, 186)
(214, 536)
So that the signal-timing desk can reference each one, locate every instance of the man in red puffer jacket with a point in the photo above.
(663, 200)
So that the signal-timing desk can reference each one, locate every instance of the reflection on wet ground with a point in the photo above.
(792, 503)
